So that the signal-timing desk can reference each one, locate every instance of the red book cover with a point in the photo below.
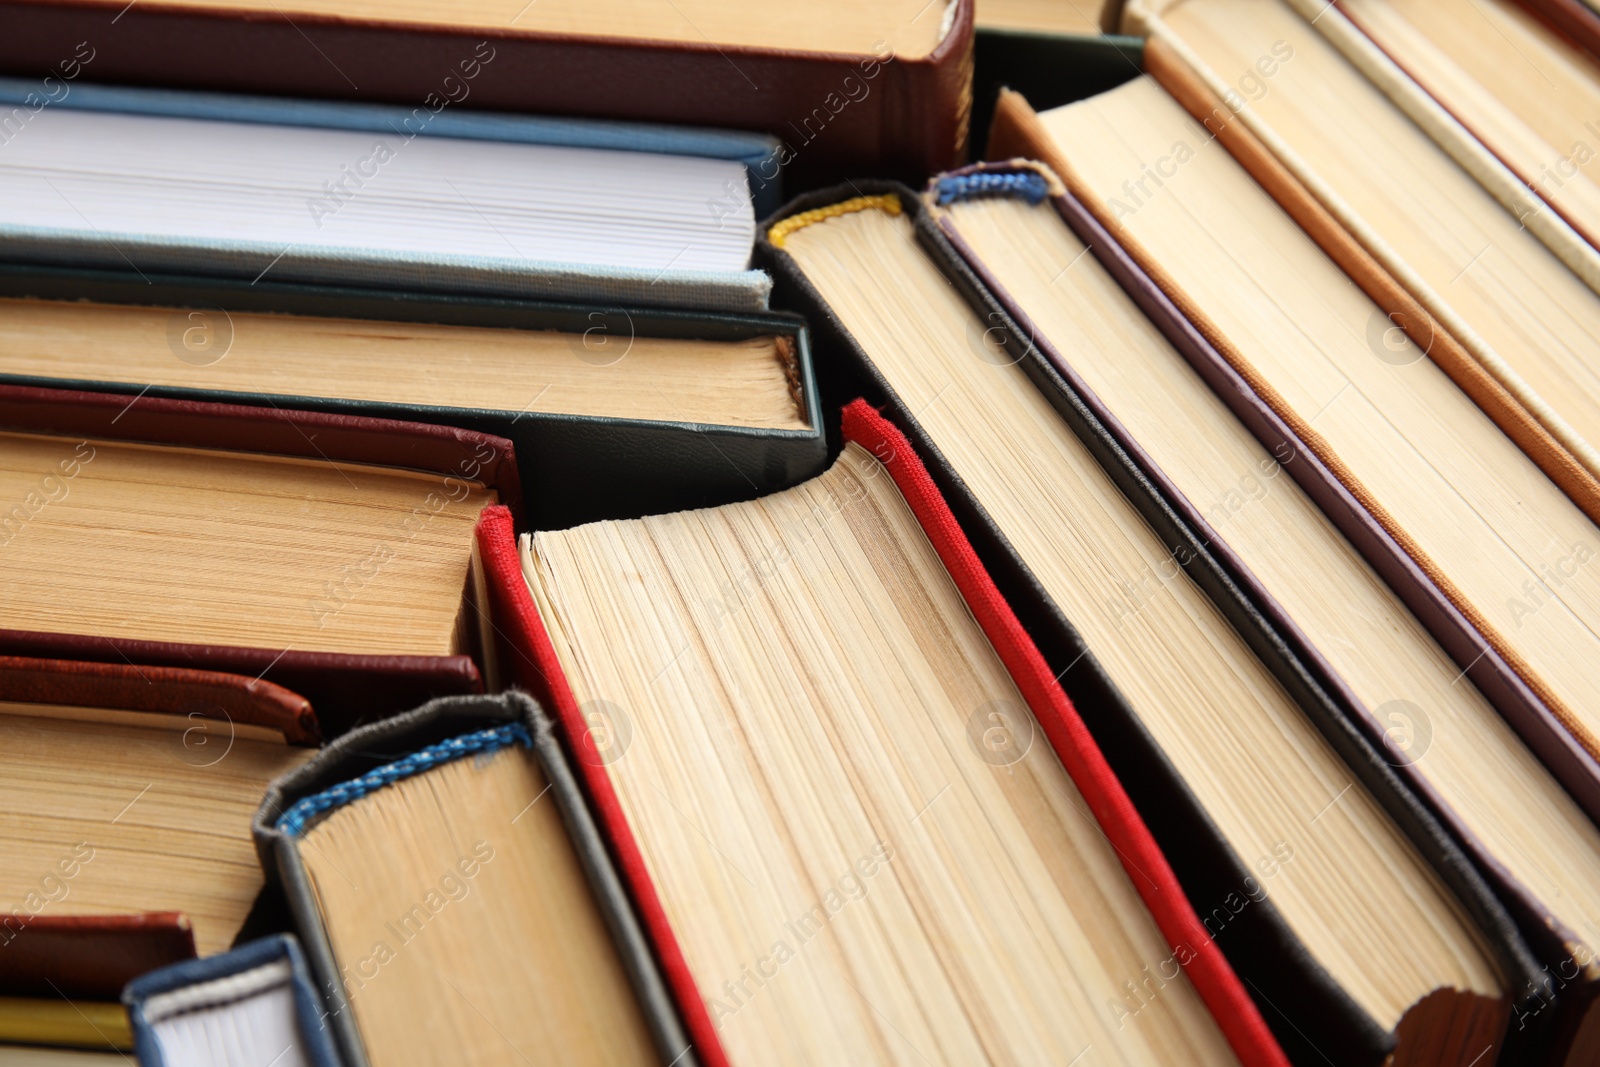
(532, 662)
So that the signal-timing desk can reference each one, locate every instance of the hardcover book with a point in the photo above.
(1374, 420)
(328, 192)
(846, 87)
(1430, 528)
(328, 553)
(1159, 385)
(1470, 264)
(1503, 78)
(1174, 656)
(105, 767)
(613, 411)
(256, 1004)
(1513, 503)
(843, 784)
(456, 901)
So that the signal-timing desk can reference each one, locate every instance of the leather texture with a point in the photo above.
(380, 743)
(573, 469)
(90, 957)
(1308, 1011)
(912, 123)
(166, 690)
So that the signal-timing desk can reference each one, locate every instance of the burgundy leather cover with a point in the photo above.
(912, 121)
(1573, 19)
(89, 957)
(173, 691)
(467, 455)
(345, 689)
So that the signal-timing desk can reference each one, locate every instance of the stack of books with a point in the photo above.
(681, 532)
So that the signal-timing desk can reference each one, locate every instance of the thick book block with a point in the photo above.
(574, 467)
(306, 191)
(599, 738)
(459, 465)
(467, 732)
(845, 107)
(1259, 942)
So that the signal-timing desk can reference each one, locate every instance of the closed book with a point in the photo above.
(1050, 67)
(129, 790)
(613, 411)
(358, 193)
(1444, 738)
(454, 896)
(1069, 520)
(1430, 564)
(364, 526)
(782, 807)
(845, 88)
(1509, 330)
(1501, 88)
(256, 1004)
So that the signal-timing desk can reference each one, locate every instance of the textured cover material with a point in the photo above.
(166, 690)
(1307, 1010)
(1535, 927)
(575, 468)
(315, 1043)
(912, 122)
(89, 957)
(758, 152)
(344, 688)
(540, 669)
(381, 743)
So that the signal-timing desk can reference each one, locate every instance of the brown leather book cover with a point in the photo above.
(345, 688)
(162, 690)
(90, 957)
(838, 114)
